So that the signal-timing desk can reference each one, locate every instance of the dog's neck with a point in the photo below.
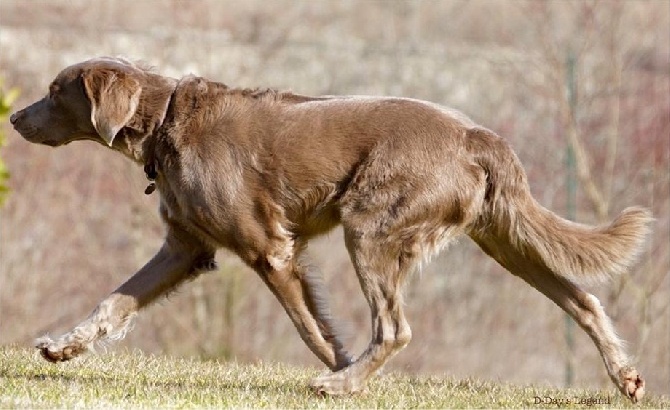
(138, 139)
(152, 111)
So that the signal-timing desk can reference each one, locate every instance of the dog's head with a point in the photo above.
(92, 100)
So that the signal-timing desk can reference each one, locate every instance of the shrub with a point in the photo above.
(6, 100)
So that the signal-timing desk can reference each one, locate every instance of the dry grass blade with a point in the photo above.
(134, 380)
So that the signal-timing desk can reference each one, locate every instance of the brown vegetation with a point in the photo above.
(502, 63)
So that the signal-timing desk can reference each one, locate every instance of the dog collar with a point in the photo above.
(151, 173)
(150, 165)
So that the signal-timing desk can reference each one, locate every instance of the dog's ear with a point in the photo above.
(114, 97)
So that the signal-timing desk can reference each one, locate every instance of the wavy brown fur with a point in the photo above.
(581, 253)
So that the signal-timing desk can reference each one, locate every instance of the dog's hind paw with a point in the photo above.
(632, 385)
(58, 352)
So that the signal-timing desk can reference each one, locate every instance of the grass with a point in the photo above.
(134, 380)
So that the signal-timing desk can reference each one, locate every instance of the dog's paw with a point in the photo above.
(337, 383)
(632, 385)
(58, 352)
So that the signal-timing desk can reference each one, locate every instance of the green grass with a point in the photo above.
(135, 380)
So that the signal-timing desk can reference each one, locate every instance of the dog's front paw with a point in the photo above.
(632, 385)
(58, 351)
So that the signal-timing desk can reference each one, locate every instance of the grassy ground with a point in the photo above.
(134, 380)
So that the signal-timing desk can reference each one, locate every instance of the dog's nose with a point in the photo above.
(15, 117)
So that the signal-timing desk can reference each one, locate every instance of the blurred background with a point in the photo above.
(581, 89)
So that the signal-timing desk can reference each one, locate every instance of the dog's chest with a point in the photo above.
(197, 211)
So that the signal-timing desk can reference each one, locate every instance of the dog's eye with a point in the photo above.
(53, 90)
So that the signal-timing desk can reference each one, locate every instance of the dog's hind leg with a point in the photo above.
(381, 269)
(176, 261)
(396, 214)
(587, 311)
(582, 306)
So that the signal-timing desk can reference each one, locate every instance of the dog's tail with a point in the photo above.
(519, 233)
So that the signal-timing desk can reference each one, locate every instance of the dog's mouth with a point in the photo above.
(52, 143)
(28, 132)
(58, 143)
(35, 137)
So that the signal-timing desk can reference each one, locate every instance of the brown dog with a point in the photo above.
(262, 172)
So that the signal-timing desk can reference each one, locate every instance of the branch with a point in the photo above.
(595, 195)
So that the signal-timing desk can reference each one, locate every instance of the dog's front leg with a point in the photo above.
(302, 295)
(111, 318)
